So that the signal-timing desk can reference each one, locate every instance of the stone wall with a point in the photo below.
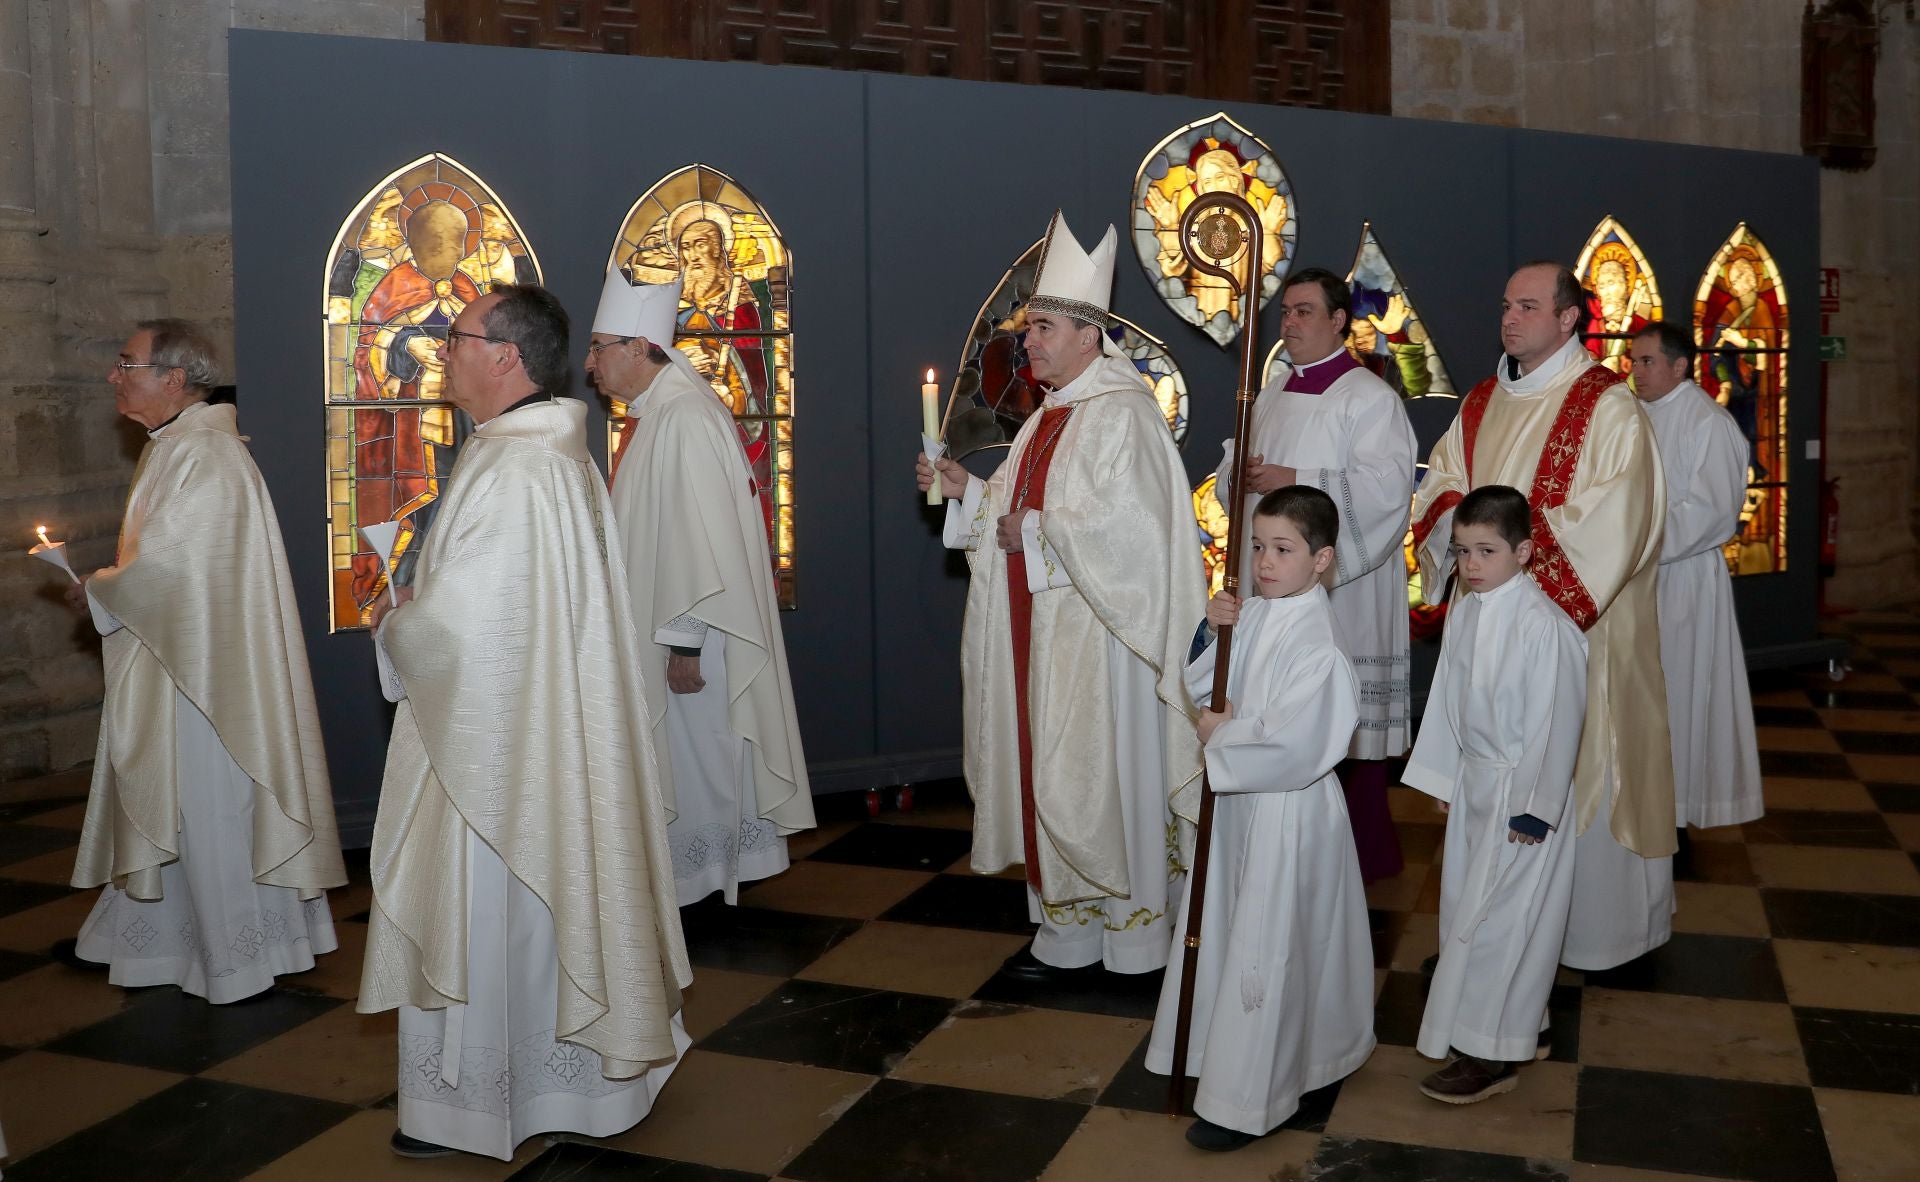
(113, 206)
(1726, 73)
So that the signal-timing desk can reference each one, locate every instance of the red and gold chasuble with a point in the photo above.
(1029, 493)
(1552, 484)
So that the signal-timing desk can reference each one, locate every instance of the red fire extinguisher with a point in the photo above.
(1829, 525)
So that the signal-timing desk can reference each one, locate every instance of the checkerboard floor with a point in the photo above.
(851, 1024)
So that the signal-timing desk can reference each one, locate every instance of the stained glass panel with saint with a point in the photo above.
(1388, 336)
(1214, 154)
(994, 390)
(1623, 295)
(1740, 325)
(425, 242)
(699, 225)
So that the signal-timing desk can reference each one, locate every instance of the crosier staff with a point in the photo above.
(1215, 229)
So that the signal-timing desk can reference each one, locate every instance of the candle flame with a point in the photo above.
(42, 531)
(929, 377)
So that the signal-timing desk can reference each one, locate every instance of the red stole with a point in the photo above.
(1552, 484)
(1031, 476)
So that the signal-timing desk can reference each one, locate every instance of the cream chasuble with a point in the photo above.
(1283, 987)
(1716, 756)
(200, 584)
(1350, 438)
(525, 726)
(696, 548)
(1118, 589)
(1572, 438)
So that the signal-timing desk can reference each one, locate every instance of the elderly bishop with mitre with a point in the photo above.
(1568, 433)
(711, 654)
(1086, 588)
(523, 920)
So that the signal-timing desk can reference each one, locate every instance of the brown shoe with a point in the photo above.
(1468, 1080)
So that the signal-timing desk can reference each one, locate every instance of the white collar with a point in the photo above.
(1337, 350)
(1074, 389)
(1672, 397)
(1548, 372)
(1501, 591)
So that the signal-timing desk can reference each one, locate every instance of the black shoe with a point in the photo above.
(414, 1147)
(1025, 966)
(1204, 1134)
(1428, 965)
(66, 952)
(1683, 856)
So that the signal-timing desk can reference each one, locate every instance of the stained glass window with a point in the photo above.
(994, 390)
(1388, 335)
(1740, 324)
(427, 240)
(699, 225)
(1211, 518)
(1214, 154)
(1623, 296)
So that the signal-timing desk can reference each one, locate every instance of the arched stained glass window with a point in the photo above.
(1623, 296)
(1740, 324)
(1210, 155)
(994, 390)
(1388, 335)
(699, 225)
(425, 242)
(1211, 518)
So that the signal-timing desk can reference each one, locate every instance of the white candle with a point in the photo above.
(53, 552)
(930, 427)
(42, 531)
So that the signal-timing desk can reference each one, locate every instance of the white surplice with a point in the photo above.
(1283, 987)
(1716, 757)
(1117, 589)
(1355, 443)
(1500, 738)
(699, 577)
(210, 822)
(523, 896)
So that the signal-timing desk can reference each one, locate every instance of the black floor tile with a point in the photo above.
(1820, 765)
(967, 901)
(1347, 1159)
(1877, 742)
(28, 841)
(902, 1132)
(18, 896)
(1722, 862)
(1800, 717)
(12, 814)
(1134, 1087)
(758, 939)
(572, 1161)
(1690, 1125)
(1896, 798)
(169, 1030)
(1843, 917)
(1862, 700)
(198, 1129)
(12, 964)
(1085, 991)
(838, 1026)
(898, 847)
(1397, 1012)
(1865, 1052)
(1563, 1029)
(1737, 967)
(1854, 830)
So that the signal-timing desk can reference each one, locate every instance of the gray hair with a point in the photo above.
(179, 344)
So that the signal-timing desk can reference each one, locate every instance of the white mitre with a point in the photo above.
(638, 309)
(1072, 282)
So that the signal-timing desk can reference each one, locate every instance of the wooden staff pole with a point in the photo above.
(1216, 228)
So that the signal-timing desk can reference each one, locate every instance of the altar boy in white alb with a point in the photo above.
(1716, 757)
(1329, 423)
(1283, 987)
(712, 656)
(1497, 746)
(210, 824)
(1087, 586)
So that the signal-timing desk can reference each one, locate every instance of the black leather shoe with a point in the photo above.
(1025, 966)
(414, 1147)
(1204, 1134)
(66, 952)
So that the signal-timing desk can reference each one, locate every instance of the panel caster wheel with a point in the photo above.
(1837, 669)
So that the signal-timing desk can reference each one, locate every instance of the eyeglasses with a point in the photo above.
(596, 346)
(454, 335)
(125, 365)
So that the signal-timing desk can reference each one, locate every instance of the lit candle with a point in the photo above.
(42, 531)
(930, 428)
(50, 551)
